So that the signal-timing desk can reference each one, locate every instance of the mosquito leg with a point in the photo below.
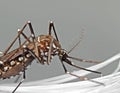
(31, 30)
(19, 46)
(33, 54)
(49, 52)
(19, 39)
(5, 52)
(32, 35)
(30, 26)
(24, 74)
(16, 80)
(24, 77)
(20, 32)
(70, 63)
(27, 38)
(64, 58)
(80, 77)
(51, 25)
(82, 60)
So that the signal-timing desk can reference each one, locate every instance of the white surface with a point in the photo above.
(57, 84)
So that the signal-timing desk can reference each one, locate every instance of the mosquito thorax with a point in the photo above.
(46, 43)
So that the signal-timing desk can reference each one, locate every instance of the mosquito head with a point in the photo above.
(63, 55)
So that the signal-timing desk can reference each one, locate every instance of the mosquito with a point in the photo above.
(41, 48)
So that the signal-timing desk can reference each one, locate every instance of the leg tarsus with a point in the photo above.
(80, 77)
(18, 85)
(70, 63)
(24, 77)
(65, 69)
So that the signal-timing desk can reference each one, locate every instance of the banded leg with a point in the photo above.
(70, 63)
(31, 30)
(21, 32)
(64, 57)
(81, 77)
(51, 26)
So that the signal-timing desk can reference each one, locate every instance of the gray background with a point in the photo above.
(100, 20)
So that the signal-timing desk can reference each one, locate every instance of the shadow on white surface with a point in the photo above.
(109, 83)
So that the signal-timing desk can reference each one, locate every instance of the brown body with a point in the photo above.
(16, 61)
